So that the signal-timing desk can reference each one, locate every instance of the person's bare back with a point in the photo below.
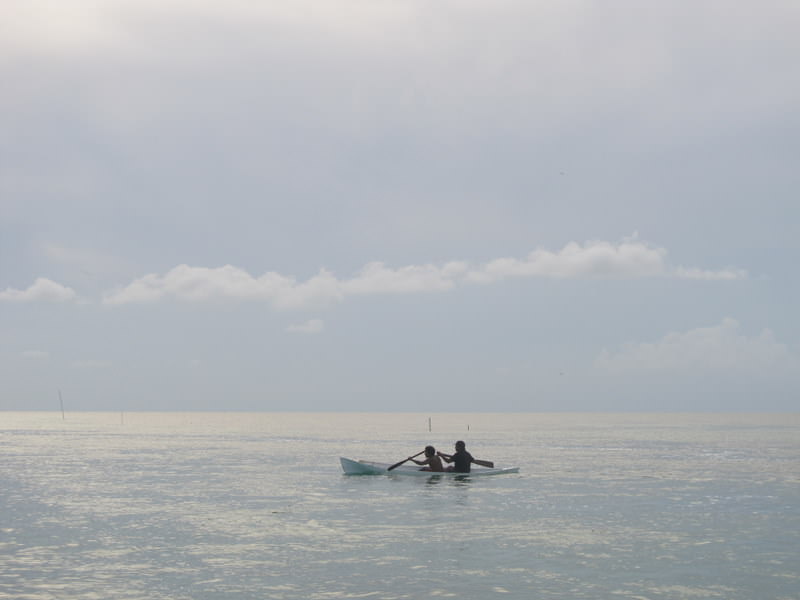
(431, 461)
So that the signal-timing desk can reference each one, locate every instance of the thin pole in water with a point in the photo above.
(429, 423)
(61, 402)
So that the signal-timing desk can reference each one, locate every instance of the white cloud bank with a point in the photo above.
(42, 290)
(284, 292)
(598, 259)
(720, 348)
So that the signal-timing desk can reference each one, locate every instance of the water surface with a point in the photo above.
(232, 505)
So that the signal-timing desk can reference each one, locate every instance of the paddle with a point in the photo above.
(394, 466)
(483, 463)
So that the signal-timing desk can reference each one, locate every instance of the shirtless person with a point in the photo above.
(433, 462)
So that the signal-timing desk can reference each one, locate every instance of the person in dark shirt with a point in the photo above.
(461, 459)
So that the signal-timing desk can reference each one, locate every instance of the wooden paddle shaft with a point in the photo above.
(394, 466)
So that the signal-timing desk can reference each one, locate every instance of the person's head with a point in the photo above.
(430, 450)
(460, 445)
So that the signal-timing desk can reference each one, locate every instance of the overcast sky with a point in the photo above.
(394, 205)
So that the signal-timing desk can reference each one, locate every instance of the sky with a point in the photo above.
(400, 205)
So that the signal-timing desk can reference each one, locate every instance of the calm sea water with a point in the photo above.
(222, 505)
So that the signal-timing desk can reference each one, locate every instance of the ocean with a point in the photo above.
(239, 506)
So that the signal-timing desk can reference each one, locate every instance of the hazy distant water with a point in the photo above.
(204, 506)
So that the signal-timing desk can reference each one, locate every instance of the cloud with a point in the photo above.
(42, 290)
(719, 348)
(309, 327)
(596, 259)
(724, 274)
(376, 278)
(229, 282)
(35, 354)
(196, 284)
(628, 259)
(592, 259)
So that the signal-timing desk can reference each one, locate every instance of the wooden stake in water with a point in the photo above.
(61, 402)
(429, 423)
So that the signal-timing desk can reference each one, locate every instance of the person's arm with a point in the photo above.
(446, 457)
(421, 462)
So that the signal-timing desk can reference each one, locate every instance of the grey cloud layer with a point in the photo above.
(147, 143)
(448, 67)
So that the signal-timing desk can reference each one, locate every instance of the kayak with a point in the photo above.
(366, 467)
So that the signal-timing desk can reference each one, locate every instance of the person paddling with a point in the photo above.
(433, 462)
(462, 459)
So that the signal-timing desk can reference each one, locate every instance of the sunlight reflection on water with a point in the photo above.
(226, 505)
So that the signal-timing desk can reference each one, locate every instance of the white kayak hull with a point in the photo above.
(365, 467)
